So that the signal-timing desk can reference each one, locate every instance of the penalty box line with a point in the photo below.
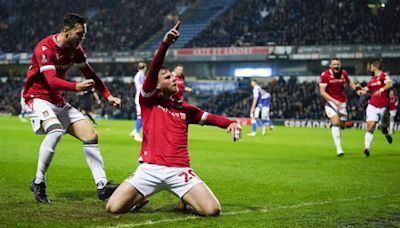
(263, 210)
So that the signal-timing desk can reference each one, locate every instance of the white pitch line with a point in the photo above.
(263, 210)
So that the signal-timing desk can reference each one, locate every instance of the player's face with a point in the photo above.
(178, 70)
(372, 68)
(76, 35)
(335, 65)
(166, 82)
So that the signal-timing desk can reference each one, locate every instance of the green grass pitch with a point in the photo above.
(289, 177)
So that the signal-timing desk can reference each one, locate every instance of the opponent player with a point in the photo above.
(265, 111)
(255, 108)
(331, 88)
(138, 80)
(50, 114)
(378, 86)
(164, 158)
(24, 110)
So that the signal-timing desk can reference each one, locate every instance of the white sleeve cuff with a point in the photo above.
(203, 118)
(47, 67)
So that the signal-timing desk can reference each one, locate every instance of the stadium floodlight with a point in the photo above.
(253, 72)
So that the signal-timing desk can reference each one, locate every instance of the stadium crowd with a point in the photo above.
(124, 25)
(113, 25)
(290, 99)
(297, 22)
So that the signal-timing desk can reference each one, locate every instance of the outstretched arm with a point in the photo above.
(198, 116)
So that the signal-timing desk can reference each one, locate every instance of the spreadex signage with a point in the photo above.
(327, 124)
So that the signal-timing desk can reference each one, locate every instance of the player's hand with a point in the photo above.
(85, 85)
(172, 35)
(361, 92)
(235, 130)
(188, 89)
(114, 101)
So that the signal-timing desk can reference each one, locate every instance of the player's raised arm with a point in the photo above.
(150, 83)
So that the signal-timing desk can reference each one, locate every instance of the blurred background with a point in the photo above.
(284, 44)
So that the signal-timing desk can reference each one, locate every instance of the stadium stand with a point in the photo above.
(113, 25)
(290, 100)
(258, 23)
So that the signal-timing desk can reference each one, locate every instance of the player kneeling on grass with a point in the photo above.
(50, 114)
(164, 157)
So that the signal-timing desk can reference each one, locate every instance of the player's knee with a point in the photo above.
(112, 208)
(91, 137)
(211, 210)
(215, 211)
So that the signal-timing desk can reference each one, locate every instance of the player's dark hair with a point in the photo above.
(334, 59)
(163, 67)
(71, 19)
(378, 64)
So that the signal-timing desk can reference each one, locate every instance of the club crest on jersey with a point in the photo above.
(45, 113)
(183, 115)
(44, 58)
(72, 56)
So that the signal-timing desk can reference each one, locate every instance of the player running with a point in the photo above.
(331, 88)
(50, 114)
(379, 86)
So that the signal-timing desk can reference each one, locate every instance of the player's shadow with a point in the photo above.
(77, 195)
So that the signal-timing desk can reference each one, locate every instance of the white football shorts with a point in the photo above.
(138, 110)
(265, 113)
(42, 110)
(375, 114)
(393, 113)
(256, 113)
(149, 179)
(331, 110)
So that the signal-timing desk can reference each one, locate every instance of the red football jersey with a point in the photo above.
(394, 101)
(374, 84)
(46, 74)
(180, 86)
(165, 122)
(334, 86)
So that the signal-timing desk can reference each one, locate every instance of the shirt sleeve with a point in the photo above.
(197, 116)
(89, 73)
(385, 78)
(323, 79)
(346, 76)
(150, 83)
